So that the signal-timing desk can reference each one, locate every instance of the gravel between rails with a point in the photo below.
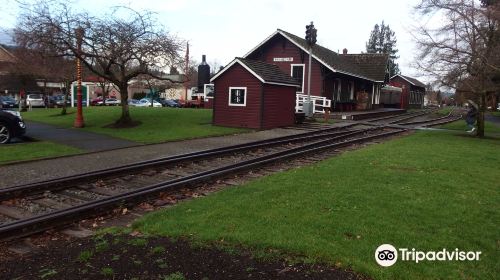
(38, 170)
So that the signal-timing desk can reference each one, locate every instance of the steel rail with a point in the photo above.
(392, 116)
(443, 122)
(425, 121)
(46, 221)
(411, 117)
(39, 187)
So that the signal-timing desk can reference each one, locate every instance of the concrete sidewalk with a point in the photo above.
(84, 140)
(492, 118)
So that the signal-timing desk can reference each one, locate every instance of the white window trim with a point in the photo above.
(244, 97)
(303, 74)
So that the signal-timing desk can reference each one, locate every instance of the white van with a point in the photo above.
(35, 100)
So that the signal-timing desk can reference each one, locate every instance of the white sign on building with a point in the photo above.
(283, 59)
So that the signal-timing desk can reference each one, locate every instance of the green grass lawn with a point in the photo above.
(445, 111)
(489, 127)
(157, 124)
(429, 191)
(33, 150)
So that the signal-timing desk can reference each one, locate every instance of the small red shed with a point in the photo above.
(253, 94)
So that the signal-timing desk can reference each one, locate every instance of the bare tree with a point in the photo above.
(154, 85)
(105, 87)
(463, 52)
(44, 64)
(117, 47)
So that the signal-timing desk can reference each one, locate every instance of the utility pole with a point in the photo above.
(79, 115)
(311, 34)
(186, 71)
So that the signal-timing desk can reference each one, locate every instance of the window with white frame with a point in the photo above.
(237, 96)
(298, 73)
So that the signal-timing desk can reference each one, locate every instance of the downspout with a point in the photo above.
(213, 105)
(261, 126)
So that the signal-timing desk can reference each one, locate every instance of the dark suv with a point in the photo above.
(7, 102)
(11, 125)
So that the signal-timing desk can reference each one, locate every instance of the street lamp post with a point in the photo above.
(79, 123)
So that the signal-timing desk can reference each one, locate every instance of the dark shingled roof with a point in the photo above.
(412, 81)
(368, 66)
(270, 73)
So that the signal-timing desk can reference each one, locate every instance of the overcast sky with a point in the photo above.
(224, 29)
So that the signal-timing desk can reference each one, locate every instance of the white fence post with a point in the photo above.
(319, 103)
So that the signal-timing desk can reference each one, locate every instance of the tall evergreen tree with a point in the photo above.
(383, 40)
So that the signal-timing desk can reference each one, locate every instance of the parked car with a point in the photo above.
(182, 103)
(197, 103)
(94, 101)
(35, 100)
(171, 103)
(57, 101)
(11, 125)
(147, 103)
(133, 102)
(109, 102)
(7, 102)
(162, 101)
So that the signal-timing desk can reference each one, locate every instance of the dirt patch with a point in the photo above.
(129, 257)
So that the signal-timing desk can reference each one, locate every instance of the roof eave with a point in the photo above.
(282, 84)
(262, 43)
(412, 83)
(236, 60)
(402, 77)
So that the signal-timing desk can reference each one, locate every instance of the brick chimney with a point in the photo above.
(344, 51)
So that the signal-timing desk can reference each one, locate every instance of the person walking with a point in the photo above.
(471, 116)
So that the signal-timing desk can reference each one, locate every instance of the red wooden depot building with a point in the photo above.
(351, 81)
(260, 89)
(253, 94)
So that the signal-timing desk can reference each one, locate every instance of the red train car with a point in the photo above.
(413, 91)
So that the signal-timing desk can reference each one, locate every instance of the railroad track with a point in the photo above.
(434, 121)
(33, 208)
(421, 120)
(64, 182)
(398, 118)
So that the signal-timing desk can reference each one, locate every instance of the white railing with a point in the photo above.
(319, 103)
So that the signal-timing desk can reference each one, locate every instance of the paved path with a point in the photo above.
(84, 140)
(33, 171)
(493, 119)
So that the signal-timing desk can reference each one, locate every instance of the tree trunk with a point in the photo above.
(480, 116)
(125, 118)
(67, 89)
